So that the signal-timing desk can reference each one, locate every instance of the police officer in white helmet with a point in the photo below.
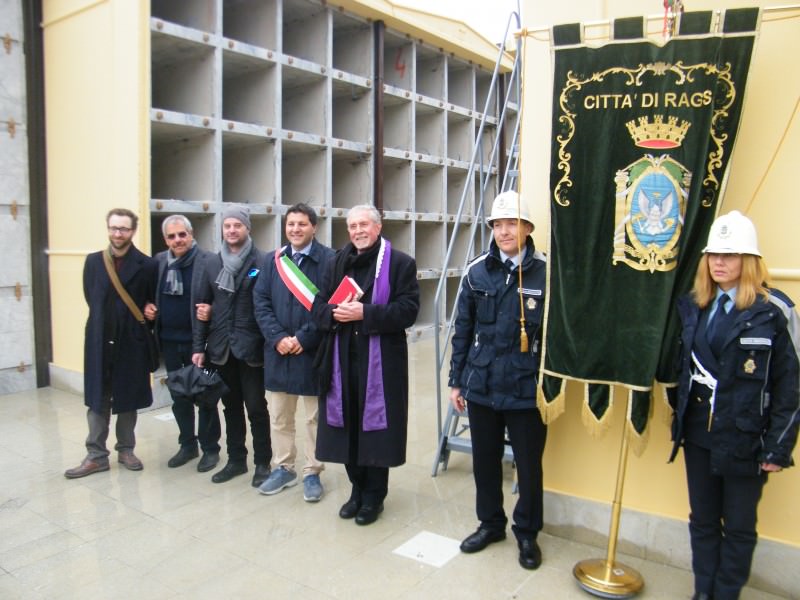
(493, 373)
(738, 401)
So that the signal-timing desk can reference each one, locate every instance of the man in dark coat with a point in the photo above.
(494, 374)
(363, 366)
(225, 333)
(283, 296)
(178, 267)
(116, 373)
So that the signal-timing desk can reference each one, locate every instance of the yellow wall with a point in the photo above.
(97, 131)
(580, 466)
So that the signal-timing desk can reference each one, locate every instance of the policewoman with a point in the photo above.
(493, 375)
(738, 400)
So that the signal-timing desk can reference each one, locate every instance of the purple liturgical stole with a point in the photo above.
(375, 402)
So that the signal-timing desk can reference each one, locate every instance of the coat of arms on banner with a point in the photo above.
(651, 199)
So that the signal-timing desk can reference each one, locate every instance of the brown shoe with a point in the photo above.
(87, 467)
(128, 460)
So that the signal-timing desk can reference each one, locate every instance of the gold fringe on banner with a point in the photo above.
(596, 427)
(550, 411)
(637, 442)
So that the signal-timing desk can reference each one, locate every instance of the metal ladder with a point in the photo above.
(452, 431)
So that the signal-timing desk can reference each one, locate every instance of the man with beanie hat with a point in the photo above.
(226, 334)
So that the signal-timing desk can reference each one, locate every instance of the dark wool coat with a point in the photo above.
(384, 448)
(233, 326)
(127, 357)
(280, 314)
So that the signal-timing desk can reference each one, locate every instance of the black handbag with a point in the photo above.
(202, 386)
(153, 356)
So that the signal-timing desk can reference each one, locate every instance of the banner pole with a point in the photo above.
(606, 577)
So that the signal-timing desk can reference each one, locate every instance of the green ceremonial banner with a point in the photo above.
(642, 138)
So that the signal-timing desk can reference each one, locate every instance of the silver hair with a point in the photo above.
(373, 212)
(176, 218)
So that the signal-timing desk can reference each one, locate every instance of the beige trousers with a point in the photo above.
(282, 409)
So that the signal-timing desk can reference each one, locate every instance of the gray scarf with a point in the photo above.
(231, 265)
(173, 283)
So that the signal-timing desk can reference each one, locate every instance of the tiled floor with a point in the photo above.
(171, 533)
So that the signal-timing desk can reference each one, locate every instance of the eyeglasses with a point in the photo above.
(180, 234)
(125, 230)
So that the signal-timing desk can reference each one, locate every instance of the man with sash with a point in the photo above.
(282, 298)
(178, 266)
(116, 369)
(225, 334)
(363, 362)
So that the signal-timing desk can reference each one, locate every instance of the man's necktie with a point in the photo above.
(297, 257)
(509, 264)
(719, 325)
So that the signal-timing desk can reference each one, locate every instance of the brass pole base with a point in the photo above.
(618, 581)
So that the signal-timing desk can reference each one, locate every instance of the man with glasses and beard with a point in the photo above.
(116, 373)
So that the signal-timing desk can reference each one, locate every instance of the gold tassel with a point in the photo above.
(523, 337)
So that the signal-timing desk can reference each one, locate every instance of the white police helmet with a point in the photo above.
(732, 234)
(508, 206)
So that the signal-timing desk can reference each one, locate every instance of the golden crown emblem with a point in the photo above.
(658, 134)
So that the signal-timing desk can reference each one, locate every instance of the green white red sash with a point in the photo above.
(301, 286)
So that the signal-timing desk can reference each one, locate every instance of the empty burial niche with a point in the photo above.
(248, 169)
(456, 186)
(182, 75)
(430, 72)
(397, 122)
(460, 137)
(429, 188)
(351, 177)
(430, 245)
(398, 61)
(397, 184)
(305, 31)
(352, 45)
(352, 111)
(429, 129)
(249, 89)
(460, 84)
(197, 14)
(304, 101)
(182, 162)
(251, 21)
(304, 175)
(483, 92)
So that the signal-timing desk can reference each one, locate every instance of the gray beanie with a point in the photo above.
(240, 213)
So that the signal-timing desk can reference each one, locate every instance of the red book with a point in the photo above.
(347, 286)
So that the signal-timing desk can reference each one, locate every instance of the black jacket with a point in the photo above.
(280, 314)
(486, 361)
(233, 326)
(757, 406)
